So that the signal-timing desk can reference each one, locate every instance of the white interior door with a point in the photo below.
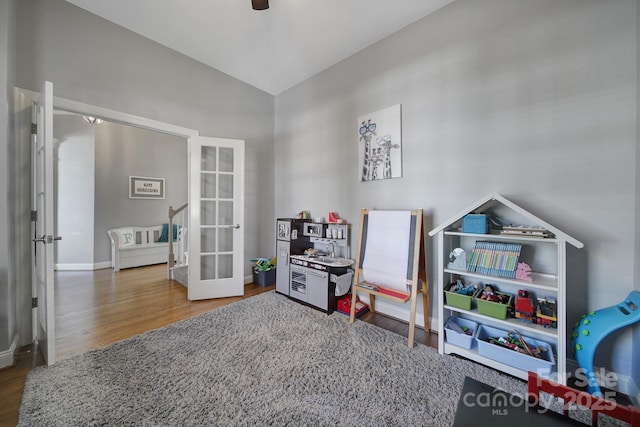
(42, 226)
(216, 216)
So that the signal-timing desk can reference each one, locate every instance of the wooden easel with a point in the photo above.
(416, 274)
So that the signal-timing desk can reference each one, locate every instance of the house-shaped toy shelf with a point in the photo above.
(545, 255)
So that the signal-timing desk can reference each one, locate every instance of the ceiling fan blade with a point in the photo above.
(260, 4)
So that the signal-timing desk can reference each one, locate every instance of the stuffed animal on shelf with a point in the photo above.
(489, 294)
(523, 272)
(459, 288)
(458, 259)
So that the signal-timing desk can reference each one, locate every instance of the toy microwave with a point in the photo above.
(313, 229)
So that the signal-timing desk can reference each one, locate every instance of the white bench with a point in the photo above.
(138, 246)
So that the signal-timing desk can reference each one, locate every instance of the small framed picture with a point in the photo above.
(142, 187)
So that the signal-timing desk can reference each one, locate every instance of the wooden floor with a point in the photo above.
(97, 308)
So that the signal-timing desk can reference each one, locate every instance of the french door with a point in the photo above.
(216, 215)
(43, 239)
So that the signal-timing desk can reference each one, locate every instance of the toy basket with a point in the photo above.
(475, 223)
(512, 357)
(460, 339)
(264, 278)
(457, 300)
(493, 309)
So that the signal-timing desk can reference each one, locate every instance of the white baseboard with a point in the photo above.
(624, 383)
(101, 265)
(434, 325)
(7, 356)
(629, 387)
(74, 267)
(83, 267)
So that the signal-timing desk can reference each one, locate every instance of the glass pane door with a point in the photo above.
(219, 209)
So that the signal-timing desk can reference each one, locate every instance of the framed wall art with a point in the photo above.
(142, 187)
(380, 144)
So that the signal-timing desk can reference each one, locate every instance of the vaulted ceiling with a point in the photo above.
(272, 49)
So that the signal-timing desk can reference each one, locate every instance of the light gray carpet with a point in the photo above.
(265, 360)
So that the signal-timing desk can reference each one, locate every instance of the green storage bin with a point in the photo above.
(493, 309)
(458, 300)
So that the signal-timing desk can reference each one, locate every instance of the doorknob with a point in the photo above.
(236, 226)
(46, 239)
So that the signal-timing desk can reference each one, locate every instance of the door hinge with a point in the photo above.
(34, 128)
(34, 302)
(34, 215)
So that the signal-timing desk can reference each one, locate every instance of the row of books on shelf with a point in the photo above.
(494, 258)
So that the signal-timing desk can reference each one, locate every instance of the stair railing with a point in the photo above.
(181, 238)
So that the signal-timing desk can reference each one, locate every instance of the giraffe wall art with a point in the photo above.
(380, 144)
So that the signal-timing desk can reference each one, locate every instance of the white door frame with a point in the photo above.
(22, 97)
(113, 115)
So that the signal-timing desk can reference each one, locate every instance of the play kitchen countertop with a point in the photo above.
(329, 261)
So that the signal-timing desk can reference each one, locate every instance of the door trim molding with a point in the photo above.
(113, 115)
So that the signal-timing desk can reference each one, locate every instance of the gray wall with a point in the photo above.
(96, 62)
(123, 151)
(533, 100)
(74, 176)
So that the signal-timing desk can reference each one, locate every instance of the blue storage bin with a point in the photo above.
(512, 357)
(475, 223)
(456, 338)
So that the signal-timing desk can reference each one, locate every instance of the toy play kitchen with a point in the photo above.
(313, 262)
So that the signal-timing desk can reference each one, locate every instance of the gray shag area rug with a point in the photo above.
(265, 360)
